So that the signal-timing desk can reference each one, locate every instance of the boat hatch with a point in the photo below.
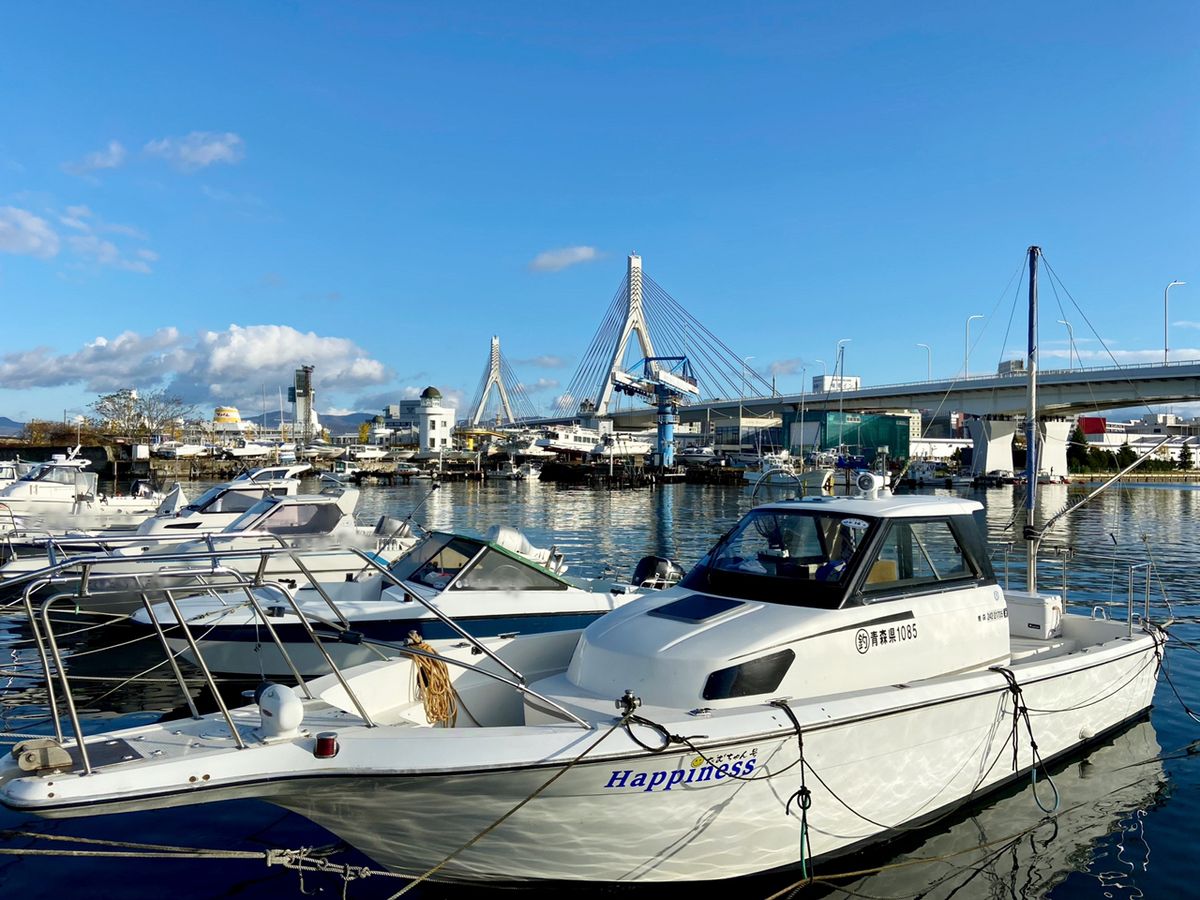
(695, 608)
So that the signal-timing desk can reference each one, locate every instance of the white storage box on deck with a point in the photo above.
(1034, 615)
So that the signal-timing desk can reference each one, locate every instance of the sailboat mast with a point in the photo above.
(1031, 461)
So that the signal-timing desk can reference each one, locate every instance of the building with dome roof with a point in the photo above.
(425, 423)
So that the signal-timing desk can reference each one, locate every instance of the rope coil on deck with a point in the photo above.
(431, 684)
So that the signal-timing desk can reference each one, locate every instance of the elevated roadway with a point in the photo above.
(1063, 392)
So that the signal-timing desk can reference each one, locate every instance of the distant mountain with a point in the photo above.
(8, 427)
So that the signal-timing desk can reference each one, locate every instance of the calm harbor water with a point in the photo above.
(1129, 806)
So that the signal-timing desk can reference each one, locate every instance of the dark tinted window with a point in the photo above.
(758, 676)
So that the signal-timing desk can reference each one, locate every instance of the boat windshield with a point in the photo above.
(52, 474)
(221, 499)
(802, 557)
(436, 560)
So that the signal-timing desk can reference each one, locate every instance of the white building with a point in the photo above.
(823, 384)
(424, 423)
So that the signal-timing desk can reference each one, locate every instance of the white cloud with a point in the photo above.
(109, 158)
(25, 234)
(542, 384)
(199, 149)
(785, 366)
(106, 253)
(556, 260)
(546, 361)
(230, 366)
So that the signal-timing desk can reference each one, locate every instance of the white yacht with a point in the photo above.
(319, 526)
(62, 492)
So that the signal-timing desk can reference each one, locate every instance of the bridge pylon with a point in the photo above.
(493, 378)
(635, 324)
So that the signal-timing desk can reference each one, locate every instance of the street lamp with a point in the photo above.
(1166, 291)
(967, 346)
(742, 400)
(841, 377)
(1070, 343)
(928, 362)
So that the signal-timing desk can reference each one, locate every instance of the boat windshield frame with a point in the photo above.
(806, 556)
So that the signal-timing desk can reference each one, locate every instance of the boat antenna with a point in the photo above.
(399, 529)
(1031, 462)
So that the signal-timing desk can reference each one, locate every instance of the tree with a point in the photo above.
(1077, 450)
(364, 432)
(128, 413)
(1185, 456)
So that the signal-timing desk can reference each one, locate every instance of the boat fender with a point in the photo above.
(282, 712)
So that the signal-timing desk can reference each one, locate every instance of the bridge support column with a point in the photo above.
(993, 439)
(1053, 435)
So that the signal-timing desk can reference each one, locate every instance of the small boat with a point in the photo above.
(63, 493)
(366, 452)
(497, 584)
(263, 541)
(780, 470)
(248, 449)
(179, 450)
(698, 456)
(319, 449)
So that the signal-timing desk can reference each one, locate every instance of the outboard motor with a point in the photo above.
(656, 573)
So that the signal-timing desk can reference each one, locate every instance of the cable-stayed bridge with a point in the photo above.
(644, 322)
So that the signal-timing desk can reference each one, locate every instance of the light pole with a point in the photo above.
(967, 346)
(1070, 343)
(928, 362)
(841, 377)
(1166, 291)
(742, 400)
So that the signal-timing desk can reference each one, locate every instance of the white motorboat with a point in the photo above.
(62, 493)
(263, 541)
(245, 448)
(780, 470)
(497, 584)
(179, 450)
(698, 456)
(212, 511)
(319, 449)
(366, 452)
(11, 470)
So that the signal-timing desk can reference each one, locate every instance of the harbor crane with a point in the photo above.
(666, 381)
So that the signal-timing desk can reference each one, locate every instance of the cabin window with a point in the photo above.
(233, 502)
(758, 676)
(303, 518)
(440, 561)
(917, 553)
(496, 572)
(801, 556)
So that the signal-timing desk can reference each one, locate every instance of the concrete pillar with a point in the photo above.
(993, 445)
(1052, 452)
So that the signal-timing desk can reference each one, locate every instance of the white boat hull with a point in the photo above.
(412, 797)
(897, 765)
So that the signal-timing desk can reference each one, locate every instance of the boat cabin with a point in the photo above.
(808, 598)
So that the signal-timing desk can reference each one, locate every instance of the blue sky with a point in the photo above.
(205, 197)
